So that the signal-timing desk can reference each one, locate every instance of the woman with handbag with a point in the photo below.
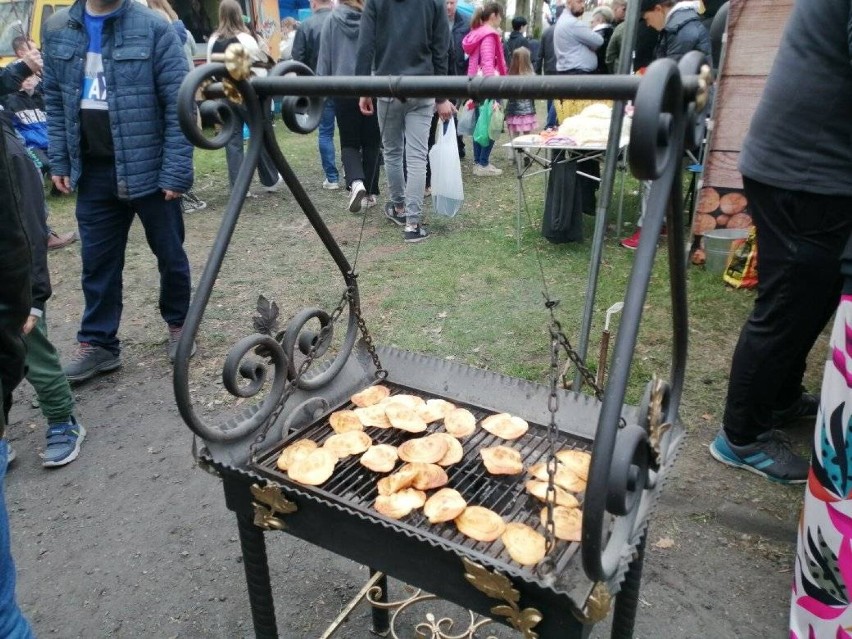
(484, 47)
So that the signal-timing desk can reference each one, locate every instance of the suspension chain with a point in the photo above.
(547, 567)
(381, 372)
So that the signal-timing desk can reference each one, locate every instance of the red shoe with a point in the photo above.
(632, 242)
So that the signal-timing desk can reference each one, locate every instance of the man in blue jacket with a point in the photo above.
(112, 69)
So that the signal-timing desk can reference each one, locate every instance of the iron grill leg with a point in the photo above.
(627, 600)
(255, 562)
(381, 622)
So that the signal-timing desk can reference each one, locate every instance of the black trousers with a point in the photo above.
(800, 239)
(360, 142)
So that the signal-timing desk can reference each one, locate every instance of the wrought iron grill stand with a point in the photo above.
(632, 449)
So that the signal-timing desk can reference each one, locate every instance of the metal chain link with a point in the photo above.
(381, 372)
(574, 356)
(546, 567)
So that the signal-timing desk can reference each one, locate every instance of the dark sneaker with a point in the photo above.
(393, 216)
(356, 197)
(770, 456)
(805, 408)
(63, 443)
(190, 203)
(89, 360)
(174, 337)
(415, 234)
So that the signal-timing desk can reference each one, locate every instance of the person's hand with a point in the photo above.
(366, 106)
(30, 324)
(172, 195)
(495, 106)
(62, 183)
(33, 59)
(445, 110)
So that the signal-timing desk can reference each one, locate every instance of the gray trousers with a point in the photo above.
(405, 129)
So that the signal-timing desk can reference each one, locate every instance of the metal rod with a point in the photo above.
(347, 610)
(257, 578)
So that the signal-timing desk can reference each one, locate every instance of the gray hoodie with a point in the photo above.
(339, 42)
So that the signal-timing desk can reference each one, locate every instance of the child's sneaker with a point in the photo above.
(393, 216)
(415, 234)
(63, 443)
(356, 197)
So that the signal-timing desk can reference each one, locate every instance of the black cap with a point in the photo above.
(648, 5)
(518, 22)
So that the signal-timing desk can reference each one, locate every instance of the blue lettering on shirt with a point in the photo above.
(94, 94)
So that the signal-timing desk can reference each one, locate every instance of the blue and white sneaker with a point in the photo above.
(63, 441)
(770, 457)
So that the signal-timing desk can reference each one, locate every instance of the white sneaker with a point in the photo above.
(275, 187)
(330, 186)
(493, 170)
(356, 198)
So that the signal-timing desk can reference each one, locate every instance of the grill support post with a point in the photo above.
(381, 619)
(627, 600)
(256, 565)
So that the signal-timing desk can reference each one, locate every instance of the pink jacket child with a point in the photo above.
(484, 47)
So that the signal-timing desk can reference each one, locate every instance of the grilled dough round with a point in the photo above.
(354, 442)
(295, 451)
(404, 418)
(444, 505)
(314, 469)
(399, 504)
(380, 458)
(565, 478)
(427, 450)
(370, 396)
(454, 453)
(568, 522)
(525, 545)
(538, 489)
(434, 409)
(460, 422)
(411, 401)
(502, 460)
(428, 476)
(403, 478)
(505, 425)
(373, 416)
(343, 421)
(577, 461)
(480, 523)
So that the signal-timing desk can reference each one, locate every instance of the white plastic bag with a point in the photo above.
(467, 118)
(447, 187)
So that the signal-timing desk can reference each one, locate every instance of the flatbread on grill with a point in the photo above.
(434, 409)
(403, 478)
(354, 442)
(454, 453)
(525, 545)
(480, 523)
(370, 396)
(565, 478)
(460, 422)
(427, 450)
(577, 461)
(380, 458)
(295, 451)
(314, 469)
(505, 426)
(502, 460)
(399, 504)
(404, 418)
(411, 401)
(343, 421)
(568, 522)
(538, 489)
(428, 476)
(373, 416)
(444, 505)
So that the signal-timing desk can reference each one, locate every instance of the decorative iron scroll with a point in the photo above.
(497, 586)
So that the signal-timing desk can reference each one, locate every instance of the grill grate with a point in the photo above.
(353, 486)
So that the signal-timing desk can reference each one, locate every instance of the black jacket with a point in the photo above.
(307, 41)
(457, 64)
(545, 61)
(516, 40)
(683, 33)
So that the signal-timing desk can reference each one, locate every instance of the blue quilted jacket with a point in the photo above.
(144, 65)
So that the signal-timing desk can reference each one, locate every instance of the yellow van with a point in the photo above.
(24, 17)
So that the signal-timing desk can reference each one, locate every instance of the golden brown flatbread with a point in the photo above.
(568, 522)
(404, 418)
(411, 401)
(373, 416)
(314, 469)
(538, 489)
(505, 426)
(343, 421)
(460, 422)
(565, 478)
(577, 461)
(454, 453)
(502, 460)
(444, 505)
(434, 409)
(400, 504)
(380, 458)
(427, 450)
(480, 523)
(354, 442)
(428, 476)
(370, 396)
(403, 478)
(295, 451)
(525, 545)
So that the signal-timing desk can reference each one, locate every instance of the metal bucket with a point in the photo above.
(718, 246)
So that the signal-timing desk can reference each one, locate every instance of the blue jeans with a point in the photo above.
(326, 142)
(12, 622)
(104, 221)
(551, 116)
(481, 154)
